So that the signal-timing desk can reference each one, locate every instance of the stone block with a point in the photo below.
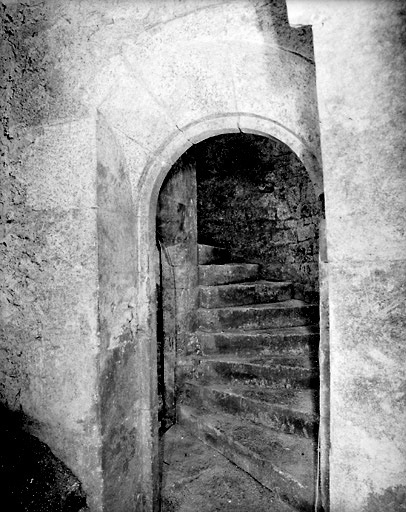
(263, 316)
(210, 275)
(283, 212)
(284, 236)
(169, 69)
(244, 293)
(123, 422)
(305, 233)
(146, 122)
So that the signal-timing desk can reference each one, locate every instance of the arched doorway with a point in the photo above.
(287, 224)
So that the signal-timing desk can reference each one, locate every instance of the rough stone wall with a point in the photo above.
(17, 238)
(256, 199)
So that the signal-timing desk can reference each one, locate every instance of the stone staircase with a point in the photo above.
(252, 389)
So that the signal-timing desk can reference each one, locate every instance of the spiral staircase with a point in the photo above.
(250, 389)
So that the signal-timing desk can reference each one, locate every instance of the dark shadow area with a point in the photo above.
(256, 199)
(176, 238)
(32, 478)
(166, 414)
(237, 320)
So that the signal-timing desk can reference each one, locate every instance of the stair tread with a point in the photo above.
(275, 331)
(247, 284)
(292, 457)
(192, 470)
(243, 293)
(268, 361)
(214, 274)
(287, 304)
(216, 266)
(302, 401)
(210, 254)
(209, 246)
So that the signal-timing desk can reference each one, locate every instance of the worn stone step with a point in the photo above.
(196, 477)
(287, 340)
(291, 411)
(289, 313)
(283, 463)
(211, 275)
(272, 371)
(210, 254)
(239, 294)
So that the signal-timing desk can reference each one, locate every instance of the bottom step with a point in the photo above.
(285, 464)
(197, 478)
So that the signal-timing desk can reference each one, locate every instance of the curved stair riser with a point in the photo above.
(251, 391)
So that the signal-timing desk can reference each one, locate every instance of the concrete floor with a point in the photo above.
(196, 478)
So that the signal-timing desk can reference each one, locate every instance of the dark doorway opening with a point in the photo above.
(237, 231)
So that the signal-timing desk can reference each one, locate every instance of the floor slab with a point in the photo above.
(197, 478)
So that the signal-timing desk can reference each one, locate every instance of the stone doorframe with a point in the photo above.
(149, 187)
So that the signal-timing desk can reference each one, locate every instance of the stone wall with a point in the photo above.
(165, 78)
(178, 277)
(120, 381)
(360, 50)
(48, 249)
(19, 231)
(256, 199)
(157, 76)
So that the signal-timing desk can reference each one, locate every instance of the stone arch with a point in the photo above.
(150, 184)
(146, 167)
(159, 165)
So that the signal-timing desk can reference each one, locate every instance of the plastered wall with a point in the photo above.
(49, 257)
(361, 84)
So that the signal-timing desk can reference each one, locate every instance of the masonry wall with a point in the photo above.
(48, 249)
(164, 79)
(361, 82)
(256, 199)
(158, 79)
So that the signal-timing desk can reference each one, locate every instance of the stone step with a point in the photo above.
(283, 463)
(288, 340)
(196, 477)
(271, 371)
(288, 410)
(210, 254)
(239, 294)
(289, 313)
(211, 275)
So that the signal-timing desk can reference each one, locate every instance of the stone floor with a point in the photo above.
(196, 478)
